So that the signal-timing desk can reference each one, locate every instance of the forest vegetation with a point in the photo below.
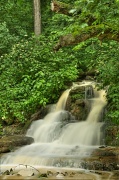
(77, 38)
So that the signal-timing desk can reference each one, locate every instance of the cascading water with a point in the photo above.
(57, 140)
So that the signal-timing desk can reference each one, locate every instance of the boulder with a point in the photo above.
(8, 143)
(102, 158)
(76, 104)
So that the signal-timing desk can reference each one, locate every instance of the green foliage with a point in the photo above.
(6, 39)
(16, 23)
(77, 96)
(18, 15)
(108, 73)
(31, 76)
(94, 14)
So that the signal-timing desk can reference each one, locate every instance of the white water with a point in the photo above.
(59, 144)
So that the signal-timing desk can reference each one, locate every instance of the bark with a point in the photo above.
(60, 7)
(37, 17)
(71, 39)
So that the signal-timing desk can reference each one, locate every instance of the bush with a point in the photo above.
(31, 76)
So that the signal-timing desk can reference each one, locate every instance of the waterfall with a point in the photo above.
(62, 101)
(57, 140)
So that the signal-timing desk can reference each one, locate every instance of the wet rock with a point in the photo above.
(43, 175)
(14, 129)
(111, 133)
(76, 103)
(25, 172)
(104, 159)
(8, 143)
(103, 146)
(60, 175)
(80, 102)
(49, 173)
(4, 149)
(6, 172)
(89, 78)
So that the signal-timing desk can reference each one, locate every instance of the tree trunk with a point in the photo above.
(37, 17)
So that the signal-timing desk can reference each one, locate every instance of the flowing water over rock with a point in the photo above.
(59, 141)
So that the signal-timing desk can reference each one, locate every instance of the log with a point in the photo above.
(71, 39)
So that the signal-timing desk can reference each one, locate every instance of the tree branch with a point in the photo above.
(71, 39)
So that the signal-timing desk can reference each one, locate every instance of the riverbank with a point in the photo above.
(23, 173)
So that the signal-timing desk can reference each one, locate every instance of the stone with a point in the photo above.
(4, 149)
(14, 129)
(8, 143)
(25, 172)
(104, 159)
(43, 175)
(60, 175)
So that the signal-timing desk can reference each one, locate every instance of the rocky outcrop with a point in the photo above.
(112, 135)
(14, 129)
(77, 105)
(103, 159)
(9, 143)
